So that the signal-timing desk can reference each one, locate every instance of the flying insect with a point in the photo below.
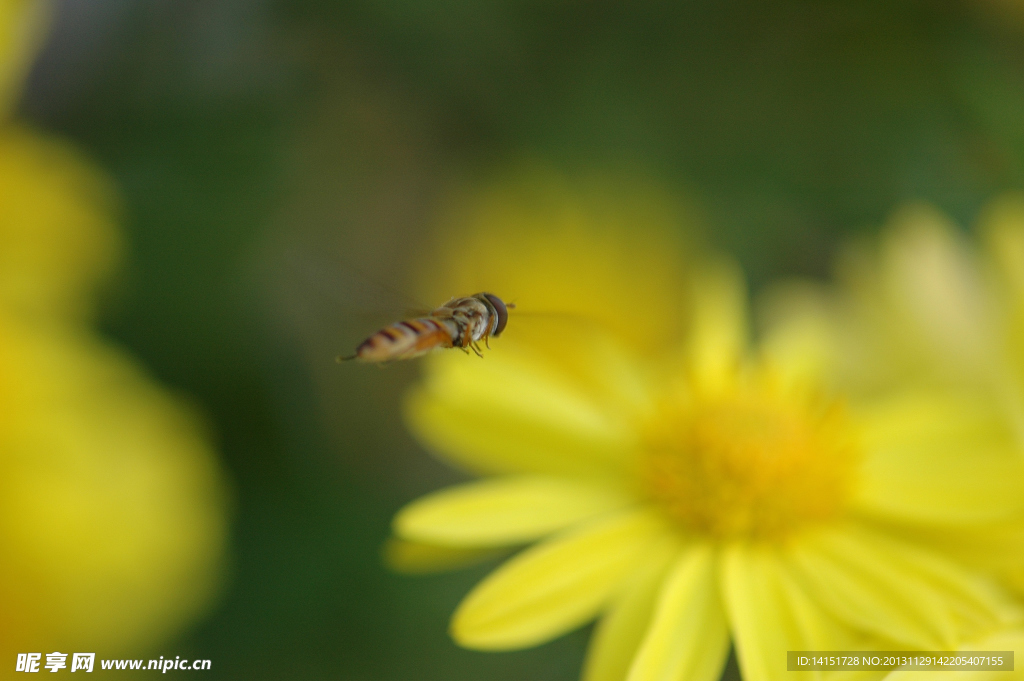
(460, 323)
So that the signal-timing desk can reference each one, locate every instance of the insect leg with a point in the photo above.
(476, 349)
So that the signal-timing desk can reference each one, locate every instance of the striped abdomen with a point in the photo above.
(407, 339)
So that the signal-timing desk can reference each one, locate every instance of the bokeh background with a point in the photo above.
(278, 160)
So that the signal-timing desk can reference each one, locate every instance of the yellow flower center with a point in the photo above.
(749, 465)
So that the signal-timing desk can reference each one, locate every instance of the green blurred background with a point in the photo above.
(239, 131)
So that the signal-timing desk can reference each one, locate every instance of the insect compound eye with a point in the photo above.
(500, 310)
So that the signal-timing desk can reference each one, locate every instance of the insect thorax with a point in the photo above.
(466, 313)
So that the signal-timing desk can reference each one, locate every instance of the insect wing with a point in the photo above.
(335, 305)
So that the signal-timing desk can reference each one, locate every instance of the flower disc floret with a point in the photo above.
(748, 465)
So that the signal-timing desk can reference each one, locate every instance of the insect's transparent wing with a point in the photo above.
(333, 303)
(554, 322)
(559, 335)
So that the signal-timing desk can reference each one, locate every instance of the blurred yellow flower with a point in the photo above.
(57, 232)
(687, 488)
(110, 516)
(927, 305)
(111, 504)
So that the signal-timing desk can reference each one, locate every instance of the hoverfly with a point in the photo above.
(459, 323)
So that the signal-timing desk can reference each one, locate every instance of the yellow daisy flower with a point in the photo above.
(111, 502)
(684, 486)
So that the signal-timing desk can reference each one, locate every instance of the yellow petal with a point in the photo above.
(688, 638)
(1002, 230)
(938, 458)
(897, 591)
(556, 586)
(505, 414)
(770, 612)
(718, 337)
(996, 548)
(936, 284)
(412, 557)
(621, 630)
(799, 342)
(504, 511)
(22, 26)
